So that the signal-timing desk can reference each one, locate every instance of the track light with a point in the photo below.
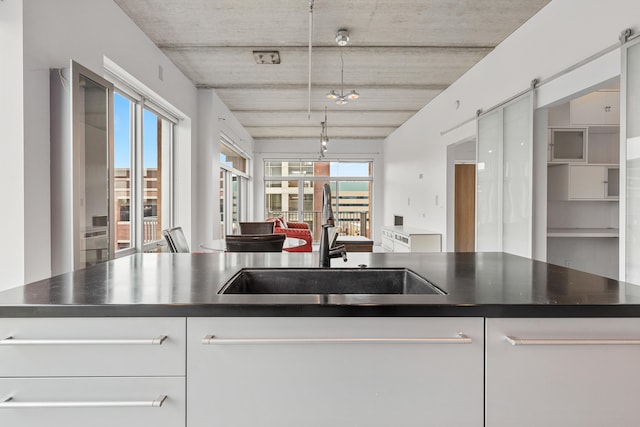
(324, 138)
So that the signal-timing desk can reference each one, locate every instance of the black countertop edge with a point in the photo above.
(315, 310)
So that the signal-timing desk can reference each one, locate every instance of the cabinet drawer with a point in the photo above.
(314, 372)
(95, 402)
(387, 242)
(92, 347)
(401, 247)
(582, 371)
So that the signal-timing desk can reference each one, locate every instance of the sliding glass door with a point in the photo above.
(504, 214)
(489, 183)
(234, 189)
(630, 170)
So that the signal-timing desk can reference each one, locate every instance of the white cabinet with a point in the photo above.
(596, 108)
(583, 182)
(568, 145)
(387, 240)
(407, 239)
(92, 371)
(562, 372)
(335, 371)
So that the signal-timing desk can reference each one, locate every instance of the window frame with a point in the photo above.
(228, 172)
(311, 178)
(136, 209)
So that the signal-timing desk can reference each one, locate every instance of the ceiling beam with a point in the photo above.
(195, 46)
(297, 110)
(241, 86)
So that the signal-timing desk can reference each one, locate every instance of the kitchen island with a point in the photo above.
(476, 284)
(510, 336)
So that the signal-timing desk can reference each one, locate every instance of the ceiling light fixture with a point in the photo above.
(342, 38)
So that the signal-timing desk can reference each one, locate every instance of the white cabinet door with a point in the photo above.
(583, 182)
(597, 108)
(612, 108)
(568, 145)
(563, 372)
(587, 182)
(387, 240)
(335, 372)
(401, 243)
(95, 402)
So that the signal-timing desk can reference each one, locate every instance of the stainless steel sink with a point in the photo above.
(328, 281)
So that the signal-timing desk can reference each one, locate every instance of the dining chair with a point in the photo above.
(255, 242)
(265, 227)
(176, 240)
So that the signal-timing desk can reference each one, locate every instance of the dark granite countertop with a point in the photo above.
(477, 284)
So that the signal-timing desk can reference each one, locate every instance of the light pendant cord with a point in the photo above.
(310, 44)
(341, 74)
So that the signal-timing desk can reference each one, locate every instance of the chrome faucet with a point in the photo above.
(328, 249)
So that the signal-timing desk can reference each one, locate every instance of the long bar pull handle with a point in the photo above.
(212, 339)
(569, 341)
(151, 341)
(10, 403)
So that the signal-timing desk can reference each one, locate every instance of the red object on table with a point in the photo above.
(298, 230)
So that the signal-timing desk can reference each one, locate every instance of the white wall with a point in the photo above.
(12, 168)
(562, 34)
(338, 149)
(54, 33)
(214, 117)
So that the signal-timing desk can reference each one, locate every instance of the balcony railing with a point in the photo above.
(350, 223)
(150, 230)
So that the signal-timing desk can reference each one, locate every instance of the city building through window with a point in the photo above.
(293, 190)
(143, 146)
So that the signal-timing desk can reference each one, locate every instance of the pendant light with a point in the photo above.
(342, 38)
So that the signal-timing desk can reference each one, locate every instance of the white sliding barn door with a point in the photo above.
(630, 164)
(505, 188)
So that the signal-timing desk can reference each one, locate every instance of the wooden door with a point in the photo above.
(465, 207)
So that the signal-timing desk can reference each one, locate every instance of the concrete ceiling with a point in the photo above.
(401, 55)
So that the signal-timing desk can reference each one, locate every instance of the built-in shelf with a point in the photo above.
(582, 232)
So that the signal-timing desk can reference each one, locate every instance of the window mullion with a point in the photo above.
(138, 190)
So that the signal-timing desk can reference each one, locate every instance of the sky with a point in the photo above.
(122, 134)
(349, 169)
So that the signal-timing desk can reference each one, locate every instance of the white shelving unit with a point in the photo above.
(582, 232)
(583, 178)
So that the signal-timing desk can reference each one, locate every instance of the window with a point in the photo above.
(234, 187)
(232, 159)
(123, 136)
(143, 147)
(289, 182)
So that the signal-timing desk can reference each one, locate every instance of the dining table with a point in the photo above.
(221, 244)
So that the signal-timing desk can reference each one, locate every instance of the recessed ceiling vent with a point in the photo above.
(266, 56)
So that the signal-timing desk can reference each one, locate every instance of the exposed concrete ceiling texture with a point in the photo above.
(401, 54)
